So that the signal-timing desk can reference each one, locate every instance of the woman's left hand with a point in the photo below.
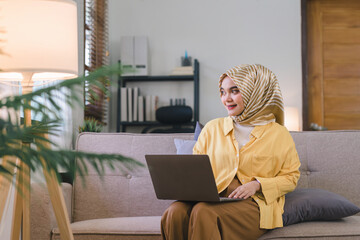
(245, 191)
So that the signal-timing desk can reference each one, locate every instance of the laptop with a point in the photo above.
(184, 178)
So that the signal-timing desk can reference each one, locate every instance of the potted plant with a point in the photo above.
(91, 125)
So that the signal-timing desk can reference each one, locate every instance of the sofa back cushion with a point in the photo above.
(330, 160)
(121, 194)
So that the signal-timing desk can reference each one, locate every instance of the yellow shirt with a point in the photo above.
(270, 157)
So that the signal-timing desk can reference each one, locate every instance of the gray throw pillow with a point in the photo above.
(316, 204)
(184, 146)
(198, 129)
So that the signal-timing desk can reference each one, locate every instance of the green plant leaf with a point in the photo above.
(42, 153)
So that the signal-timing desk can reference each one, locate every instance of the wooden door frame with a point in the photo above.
(304, 61)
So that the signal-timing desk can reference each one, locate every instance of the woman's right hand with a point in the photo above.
(245, 191)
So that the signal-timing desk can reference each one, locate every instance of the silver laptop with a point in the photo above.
(183, 177)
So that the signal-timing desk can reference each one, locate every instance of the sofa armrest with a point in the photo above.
(42, 216)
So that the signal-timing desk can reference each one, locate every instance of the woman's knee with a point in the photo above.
(202, 210)
(177, 211)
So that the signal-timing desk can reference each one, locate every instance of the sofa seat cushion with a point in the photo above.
(131, 228)
(345, 228)
(115, 228)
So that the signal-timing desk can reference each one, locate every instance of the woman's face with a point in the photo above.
(231, 97)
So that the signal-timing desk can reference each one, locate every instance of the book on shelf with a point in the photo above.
(130, 105)
(154, 106)
(148, 108)
(137, 108)
(135, 103)
(151, 103)
(141, 109)
(123, 104)
(187, 70)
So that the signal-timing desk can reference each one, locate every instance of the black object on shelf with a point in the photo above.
(121, 126)
(173, 129)
(177, 114)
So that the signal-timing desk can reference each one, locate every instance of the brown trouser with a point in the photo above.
(198, 221)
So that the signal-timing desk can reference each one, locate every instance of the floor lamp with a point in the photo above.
(39, 45)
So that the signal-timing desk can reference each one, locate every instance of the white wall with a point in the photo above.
(220, 34)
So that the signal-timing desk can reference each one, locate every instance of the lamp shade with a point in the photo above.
(39, 39)
(292, 119)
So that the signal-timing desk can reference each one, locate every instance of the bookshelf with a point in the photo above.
(123, 80)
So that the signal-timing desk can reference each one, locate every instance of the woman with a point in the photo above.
(253, 157)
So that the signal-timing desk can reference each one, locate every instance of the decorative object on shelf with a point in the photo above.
(186, 60)
(182, 71)
(122, 122)
(134, 55)
(185, 68)
(177, 101)
(174, 114)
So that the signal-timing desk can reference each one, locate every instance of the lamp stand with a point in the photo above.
(21, 211)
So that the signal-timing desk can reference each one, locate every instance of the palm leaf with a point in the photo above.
(43, 153)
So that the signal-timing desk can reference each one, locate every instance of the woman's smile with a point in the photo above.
(230, 107)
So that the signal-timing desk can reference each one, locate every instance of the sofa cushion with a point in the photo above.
(330, 161)
(184, 146)
(316, 204)
(345, 228)
(149, 228)
(115, 228)
(198, 129)
(118, 194)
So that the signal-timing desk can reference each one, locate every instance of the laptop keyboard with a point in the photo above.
(226, 199)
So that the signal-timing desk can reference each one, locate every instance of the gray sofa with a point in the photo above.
(123, 205)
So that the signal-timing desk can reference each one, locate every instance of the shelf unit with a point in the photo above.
(121, 126)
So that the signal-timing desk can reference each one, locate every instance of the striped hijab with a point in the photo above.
(261, 94)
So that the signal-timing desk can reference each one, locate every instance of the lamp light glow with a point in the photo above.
(292, 119)
(39, 37)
